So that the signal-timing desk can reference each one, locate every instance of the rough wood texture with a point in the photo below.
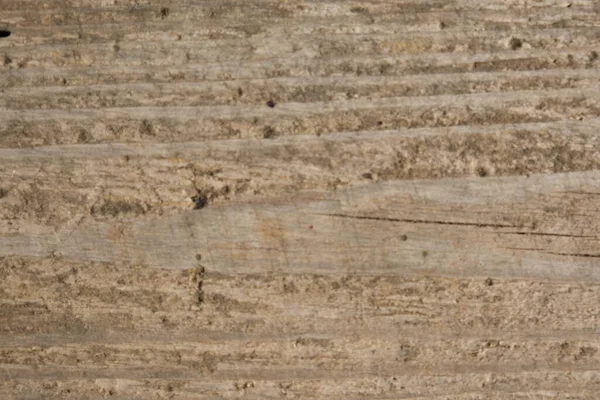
(391, 199)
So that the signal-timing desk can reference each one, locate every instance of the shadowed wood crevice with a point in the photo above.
(416, 221)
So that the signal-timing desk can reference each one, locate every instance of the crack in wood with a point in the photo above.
(552, 234)
(590, 255)
(524, 248)
(421, 221)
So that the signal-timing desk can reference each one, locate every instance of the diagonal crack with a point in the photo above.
(591, 255)
(523, 248)
(552, 234)
(421, 221)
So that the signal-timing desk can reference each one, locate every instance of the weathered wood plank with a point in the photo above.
(541, 226)
(395, 199)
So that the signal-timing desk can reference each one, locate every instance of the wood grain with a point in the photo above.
(264, 199)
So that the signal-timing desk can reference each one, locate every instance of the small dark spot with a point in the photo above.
(593, 56)
(310, 227)
(269, 132)
(424, 253)
(4, 33)
(404, 238)
(64, 81)
(379, 123)
(359, 10)
(116, 207)
(534, 225)
(146, 128)
(164, 13)
(198, 256)
(199, 297)
(271, 104)
(240, 92)
(126, 158)
(84, 136)
(3, 192)
(489, 282)
(7, 59)
(116, 48)
(482, 172)
(367, 175)
(515, 43)
(200, 201)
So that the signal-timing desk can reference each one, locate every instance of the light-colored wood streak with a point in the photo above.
(311, 200)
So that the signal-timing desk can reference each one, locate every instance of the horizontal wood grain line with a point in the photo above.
(477, 100)
(99, 32)
(410, 80)
(337, 333)
(297, 374)
(273, 65)
(550, 37)
(254, 91)
(226, 148)
(316, 6)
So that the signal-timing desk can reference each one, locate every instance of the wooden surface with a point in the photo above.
(415, 215)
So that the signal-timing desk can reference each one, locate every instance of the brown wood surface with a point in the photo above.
(396, 199)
